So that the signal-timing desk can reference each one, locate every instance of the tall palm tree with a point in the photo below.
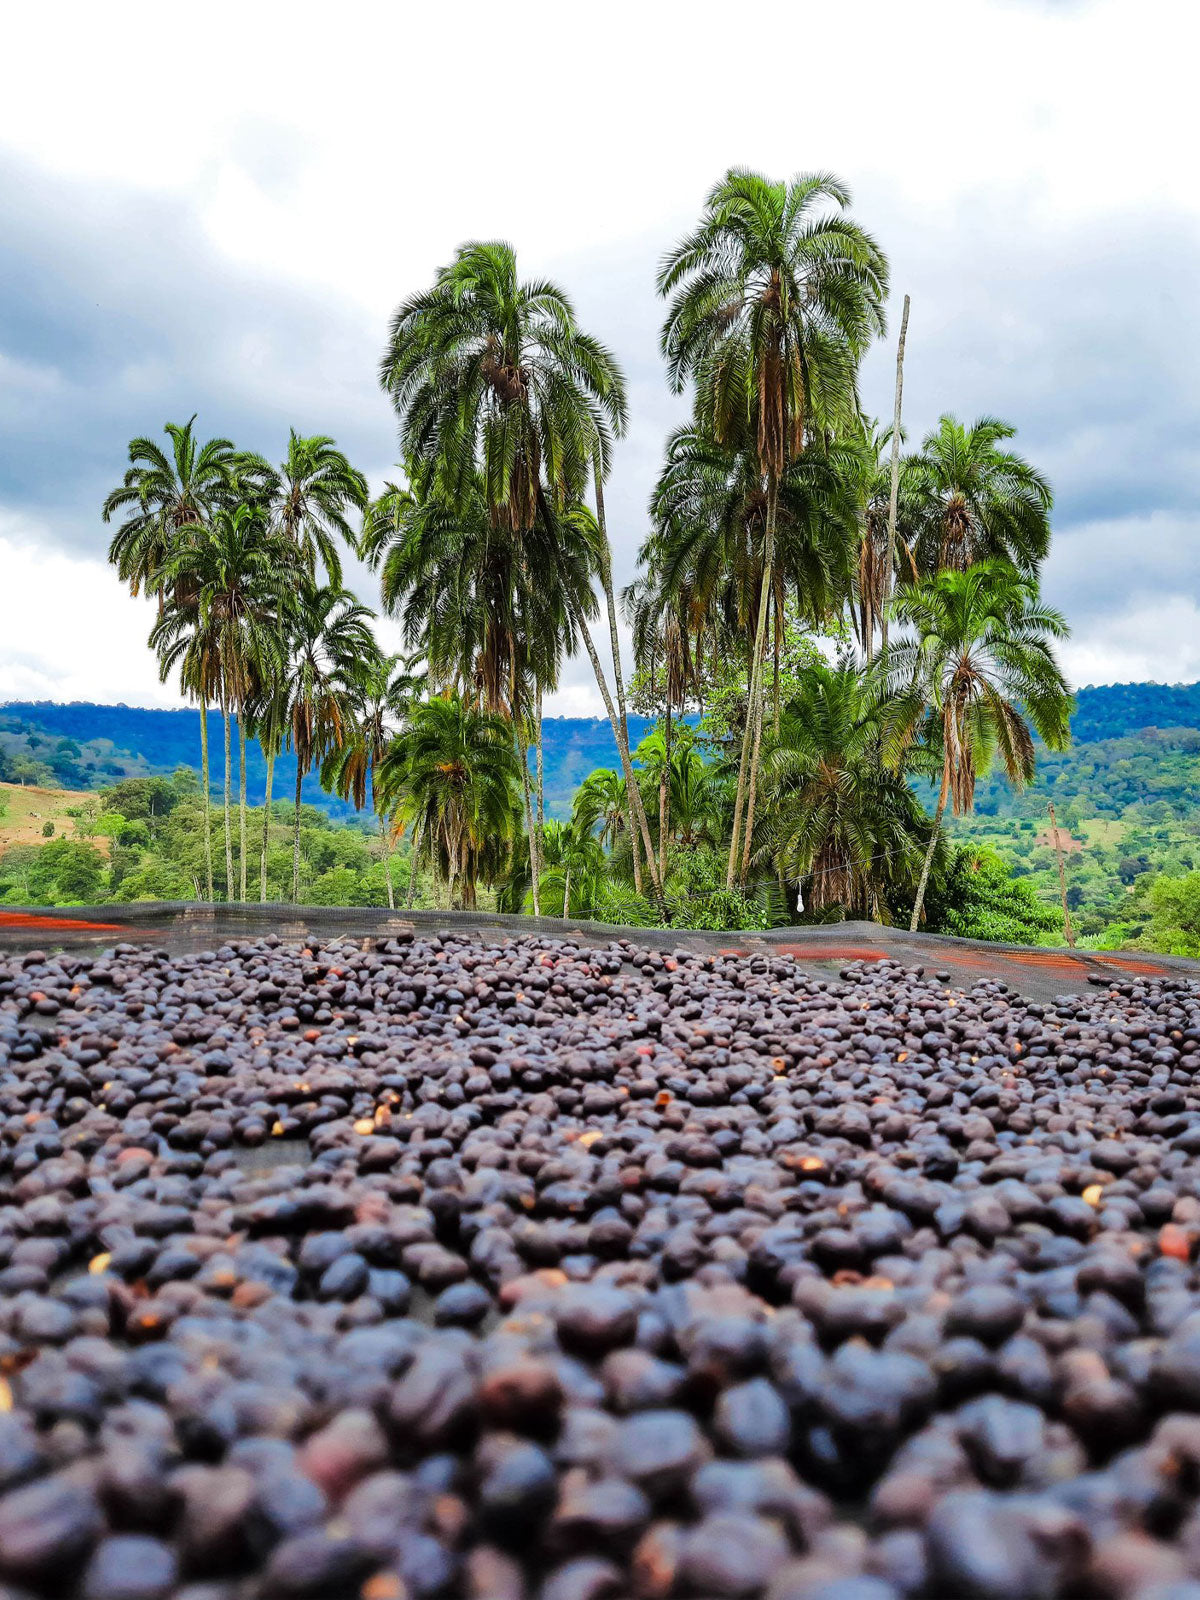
(470, 599)
(454, 773)
(382, 693)
(310, 495)
(703, 559)
(709, 513)
(490, 372)
(843, 824)
(980, 671)
(164, 491)
(491, 375)
(976, 501)
(776, 295)
(229, 574)
(329, 636)
(478, 602)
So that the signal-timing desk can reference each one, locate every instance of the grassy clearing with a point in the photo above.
(25, 810)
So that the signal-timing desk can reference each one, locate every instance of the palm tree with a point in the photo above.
(980, 671)
(976, 501)
(468, 597)
(228, 574)
(163, 492)
(777, 294)
(329, 636)
(309, 496)
(382, 693)
(576, 866)
(477, 602)
(703, 559)
(488, 371)
(600, 804)
(492, 376)
(698, 795)
(454, 773)
(843, 825)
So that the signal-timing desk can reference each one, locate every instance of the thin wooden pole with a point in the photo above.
(1062, 879)
(894, 492)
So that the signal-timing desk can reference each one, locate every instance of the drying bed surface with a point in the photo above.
(418, 1268)
(186, 927)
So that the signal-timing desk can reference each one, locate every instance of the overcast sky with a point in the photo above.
(215, 211)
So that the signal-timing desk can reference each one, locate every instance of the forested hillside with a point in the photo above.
(1128, 811)
(1114, 709)
(84, 746)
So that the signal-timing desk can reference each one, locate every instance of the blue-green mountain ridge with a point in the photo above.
(83, 745)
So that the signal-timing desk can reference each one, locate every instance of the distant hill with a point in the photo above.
(1115, 709)
(85, 746)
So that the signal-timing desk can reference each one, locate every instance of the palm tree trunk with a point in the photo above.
(621, 726)
(266, 838)
(919, 902)
(752, 787)
(535, 866)
(747, 779)
(452, 869)
(385, 833)
(412, 868)
(634, 852)
(751, 795)
(567, 894)
(296, 837)
(228, 804)
(777, 630)
(242, 863)
(633, 796)
(208, 872)
(664, 802)
(541, 789)
(743, 770)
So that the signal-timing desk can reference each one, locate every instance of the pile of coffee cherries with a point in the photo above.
(425, 1269)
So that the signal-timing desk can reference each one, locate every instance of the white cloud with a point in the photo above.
(69, 631)
(1156, 640)
(223, 215)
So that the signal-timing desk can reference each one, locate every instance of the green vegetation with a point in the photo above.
(976, 897)
(1127, 814)
(154, 831)
(834, 643)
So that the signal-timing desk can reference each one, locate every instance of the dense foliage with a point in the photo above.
(844, 678)
(142, 839)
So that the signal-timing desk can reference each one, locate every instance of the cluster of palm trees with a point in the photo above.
(244, 561)
(781, 514)
(489, 553)
(777, 505)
